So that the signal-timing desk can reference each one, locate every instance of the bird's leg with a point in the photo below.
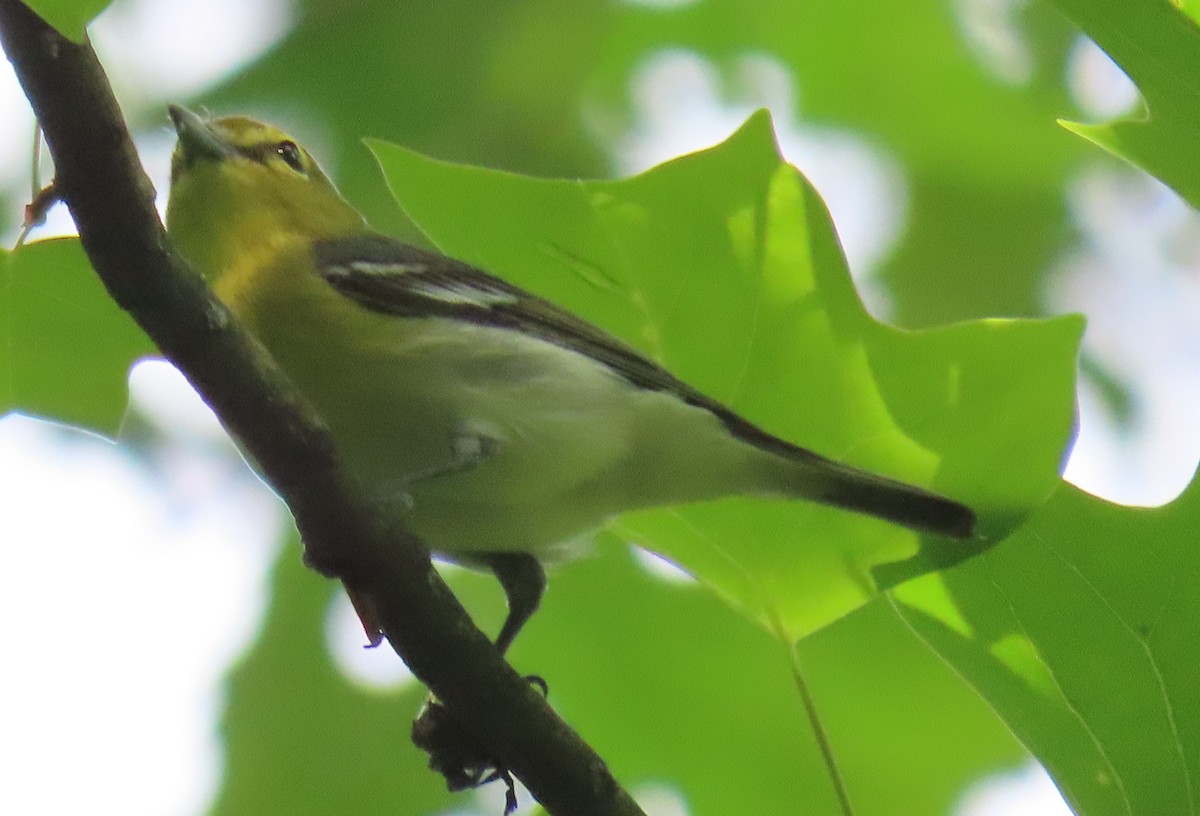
(469, 445)
(456, 755)
(524, 581)
(453, 752)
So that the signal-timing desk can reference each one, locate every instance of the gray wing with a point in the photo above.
(391, 277)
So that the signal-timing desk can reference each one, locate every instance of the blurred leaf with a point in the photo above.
(1079, 630)
(723, 266)
(540, 87)
(298, 738)
(729, 735)
(494, 83)
(1159, 47)
(70, 17)
(981, 164)
(65, 347)
(937, 106)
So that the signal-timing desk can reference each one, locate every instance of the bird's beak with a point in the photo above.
(197, 140)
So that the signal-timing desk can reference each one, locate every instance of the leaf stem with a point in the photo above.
(821, 735)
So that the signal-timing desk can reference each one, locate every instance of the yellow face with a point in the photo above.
(240, 188)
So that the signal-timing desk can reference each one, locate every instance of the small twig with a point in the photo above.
(41, 199)
(35, 161)
(35, 211)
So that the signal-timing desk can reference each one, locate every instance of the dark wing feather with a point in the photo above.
(391, 277)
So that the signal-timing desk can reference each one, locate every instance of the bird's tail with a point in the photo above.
(804, 474)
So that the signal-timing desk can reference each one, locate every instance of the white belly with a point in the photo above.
(571, 443)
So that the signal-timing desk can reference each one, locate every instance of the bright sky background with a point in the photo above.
(169, 553)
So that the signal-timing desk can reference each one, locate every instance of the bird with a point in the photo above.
(500, 426)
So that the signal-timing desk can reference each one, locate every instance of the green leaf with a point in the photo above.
(65, 347)
(980, 170)
(728, 734)
(298, 738)
(1159, 47)
(724, 267)
(518, 66)
(70, 17)
(1080, 632)
(546, 89)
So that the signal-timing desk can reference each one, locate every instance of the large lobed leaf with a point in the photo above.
(1080, 630)
(724, 267)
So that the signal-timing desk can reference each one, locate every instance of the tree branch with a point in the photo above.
(346, 537)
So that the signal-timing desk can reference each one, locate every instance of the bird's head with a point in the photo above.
(238, 185)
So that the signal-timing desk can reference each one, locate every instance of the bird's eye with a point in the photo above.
(291, 154)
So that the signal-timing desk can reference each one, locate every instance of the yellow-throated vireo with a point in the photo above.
(502, 425)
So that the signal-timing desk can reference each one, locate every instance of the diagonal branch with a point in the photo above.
(346, 537)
